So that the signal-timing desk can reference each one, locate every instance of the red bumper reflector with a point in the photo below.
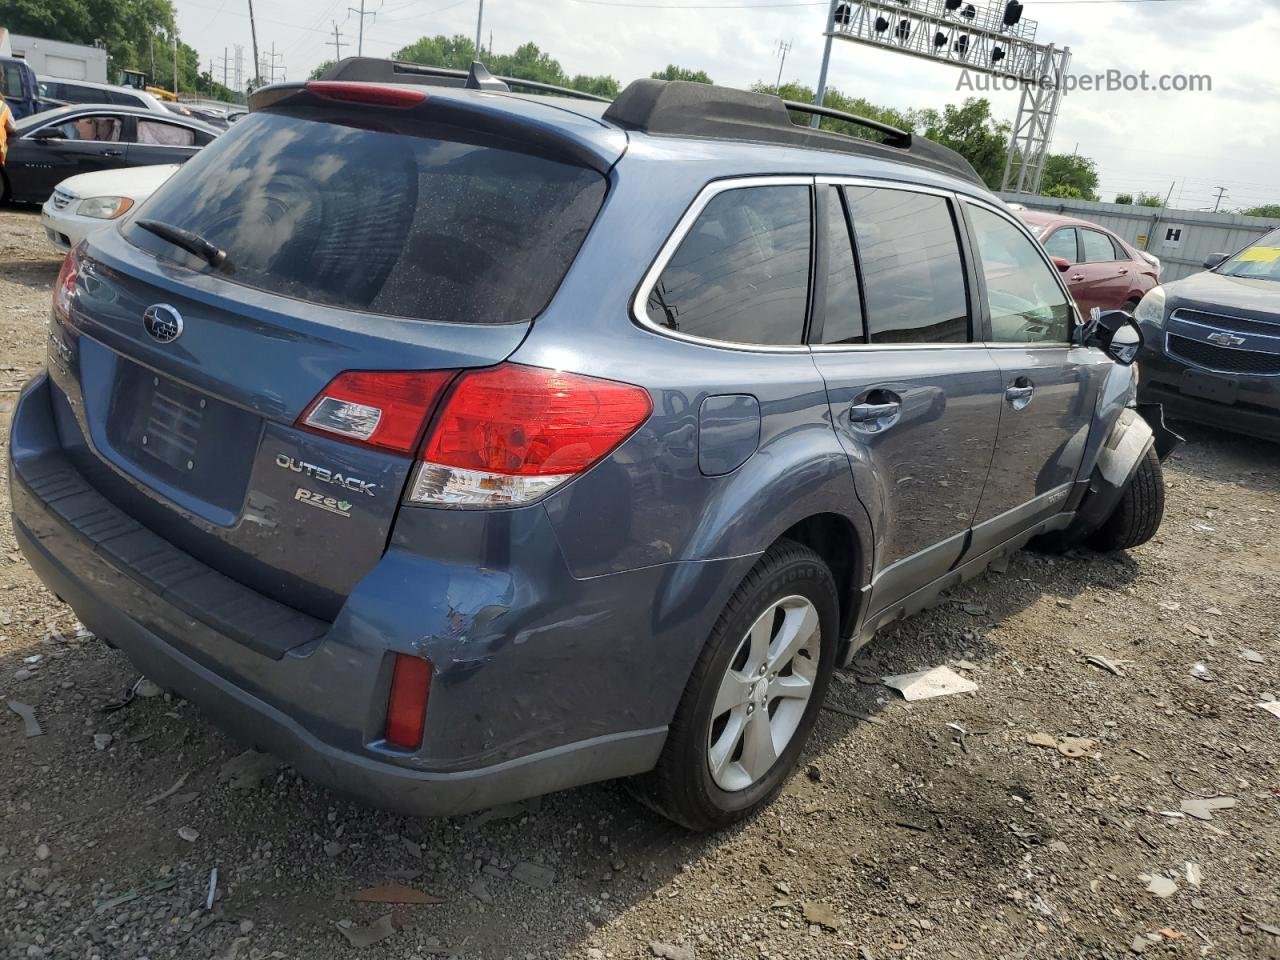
(407, 704)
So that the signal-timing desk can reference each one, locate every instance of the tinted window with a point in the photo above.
(75, 94)
(1062, 243)
(124, 99)
(13, 81)
(1097, 247)
(165, 134)
(742, 272)
(911, 268)
(1026, 301)
(389, 223)
(96, 127)
(843, 315)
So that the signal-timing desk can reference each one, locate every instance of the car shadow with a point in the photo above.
(1215, 454)
(537, 878)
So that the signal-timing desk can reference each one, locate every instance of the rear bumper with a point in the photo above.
(536, 688)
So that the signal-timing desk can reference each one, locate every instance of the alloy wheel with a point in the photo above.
(764, 693)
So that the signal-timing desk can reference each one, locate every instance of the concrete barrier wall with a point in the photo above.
(1182, 239)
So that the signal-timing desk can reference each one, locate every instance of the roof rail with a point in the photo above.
(688, 109)
(892, 135)
(377, 70)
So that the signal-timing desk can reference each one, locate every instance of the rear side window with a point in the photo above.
(165, 134)
(1098, 247)
(13, 82)
(388, 223)
(741, 274)
(911, 268)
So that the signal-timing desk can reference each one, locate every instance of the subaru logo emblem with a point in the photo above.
(162, 322)
(1225, 339)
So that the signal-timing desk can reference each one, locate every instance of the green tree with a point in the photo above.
(456, 52)
(1266, 210)
(799, 93)
(1149, 200)
(1069, 170)
(321, 70)
(135, 33)
(1124, 198)
(971, 131)
(602, 85)
(1063, 191)
(672, 72)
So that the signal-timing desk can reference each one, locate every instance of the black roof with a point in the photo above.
(682, 108)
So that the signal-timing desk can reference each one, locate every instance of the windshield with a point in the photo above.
(388, 223)
(1260, 260)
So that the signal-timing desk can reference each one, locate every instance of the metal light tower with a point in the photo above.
(974, 37)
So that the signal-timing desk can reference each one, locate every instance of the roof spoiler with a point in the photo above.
(376, 70)
(686, 108)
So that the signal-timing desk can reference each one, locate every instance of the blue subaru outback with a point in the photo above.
(461, 444)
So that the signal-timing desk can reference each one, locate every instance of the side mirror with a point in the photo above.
(1062, 263)
(47, 136)
(1114, 332)
(1214, 259)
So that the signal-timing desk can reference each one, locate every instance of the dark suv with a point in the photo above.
(1212, 342)
(461, 445)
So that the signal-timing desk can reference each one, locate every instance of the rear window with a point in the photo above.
(387, 223)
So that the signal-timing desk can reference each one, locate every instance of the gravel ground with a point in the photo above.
(917, 830)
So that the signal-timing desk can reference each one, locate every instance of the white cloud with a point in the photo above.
(1141, 141)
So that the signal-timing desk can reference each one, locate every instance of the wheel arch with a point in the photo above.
(834, 537)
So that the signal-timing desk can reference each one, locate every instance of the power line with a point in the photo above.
(791, 4)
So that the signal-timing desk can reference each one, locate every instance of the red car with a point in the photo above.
(1101, 269)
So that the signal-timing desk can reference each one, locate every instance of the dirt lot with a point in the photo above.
(926, 830)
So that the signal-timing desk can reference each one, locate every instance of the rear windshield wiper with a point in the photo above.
(193, 243)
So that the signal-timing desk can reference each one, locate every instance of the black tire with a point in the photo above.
(681, 786)
(1137, 516)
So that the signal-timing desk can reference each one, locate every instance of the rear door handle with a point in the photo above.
(866, 412)
(1077, 278)
(113, 153)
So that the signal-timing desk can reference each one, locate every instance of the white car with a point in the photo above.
(82, 204)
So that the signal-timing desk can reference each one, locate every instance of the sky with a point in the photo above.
(1190, 142)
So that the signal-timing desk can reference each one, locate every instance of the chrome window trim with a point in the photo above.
(904, 187)
(93, 112)
(713, 189)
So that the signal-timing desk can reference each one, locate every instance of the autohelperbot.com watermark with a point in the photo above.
(1112, 81)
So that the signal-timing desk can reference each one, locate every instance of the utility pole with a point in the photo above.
(152, 45)
(826, 64)
(175, 63)
(336, 42)
(269, 64)
(224, 68)
(479, 24)
(360, 35)
(1222, 191)
(782, 50)
(253, 32)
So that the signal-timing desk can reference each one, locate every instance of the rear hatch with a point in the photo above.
(262, 408)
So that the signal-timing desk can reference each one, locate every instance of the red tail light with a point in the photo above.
(509, 434)
(64, 288)
(370, 93)
(377, 407)
(407, 704)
